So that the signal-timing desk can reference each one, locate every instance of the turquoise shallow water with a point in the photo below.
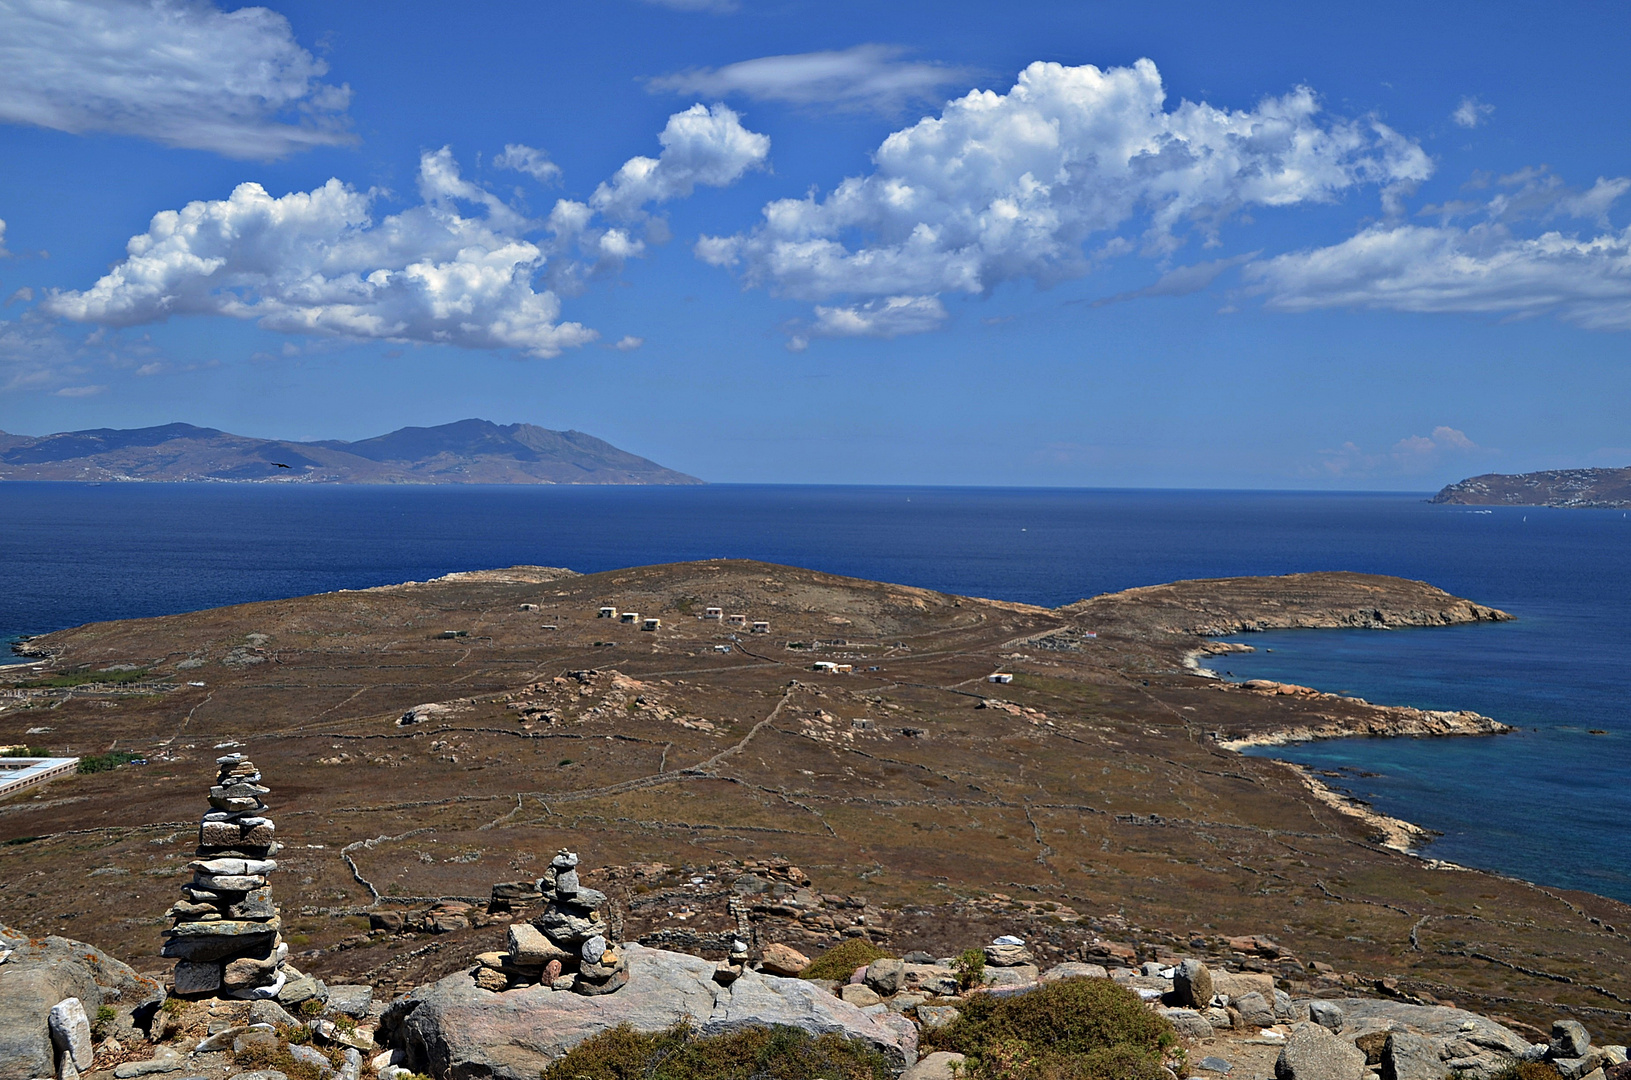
(1551, 804)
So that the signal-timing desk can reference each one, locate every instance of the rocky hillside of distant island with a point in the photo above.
(1599, 488)
(464, 452)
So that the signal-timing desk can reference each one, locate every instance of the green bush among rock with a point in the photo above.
(840, 961)
(755, 1053)
(1528, 1070)
(970, 967)
(1074, 1029)
(274, 1054)
(96, 763)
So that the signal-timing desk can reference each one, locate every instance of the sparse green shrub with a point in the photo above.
(1075, 1029)
(311, 1007)
(840, 961)
(103, 1020)
(786, 1053)
(174, 1006)
(96, 763)
(260, 1056)
(1528, 1070)
(970, 967)
(82, 677)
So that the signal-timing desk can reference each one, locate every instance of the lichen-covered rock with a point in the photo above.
(1407, 1055)
(1192, 983)
(1254, 1010)
(453, 1030)
(1188, 1023)
(1313, 1053)
(40, 973)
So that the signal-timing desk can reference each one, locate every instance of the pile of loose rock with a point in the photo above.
(226, 937)
(565, 947)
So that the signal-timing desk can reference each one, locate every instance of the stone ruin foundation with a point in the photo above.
(226, 939)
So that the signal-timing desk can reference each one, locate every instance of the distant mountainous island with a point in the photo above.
(1603, 488)
(464, 452)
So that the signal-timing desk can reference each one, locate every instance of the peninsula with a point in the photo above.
(435, 743)
(1585, 488)
(464, 452)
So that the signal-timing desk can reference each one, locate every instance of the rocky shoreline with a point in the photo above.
(1378, 721)
(1373, 721)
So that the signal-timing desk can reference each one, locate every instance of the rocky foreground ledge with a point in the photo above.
(113, 1025)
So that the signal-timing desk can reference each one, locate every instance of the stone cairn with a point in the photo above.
(564, 948)
(226, 936)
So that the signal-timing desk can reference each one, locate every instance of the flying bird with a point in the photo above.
(280, 464)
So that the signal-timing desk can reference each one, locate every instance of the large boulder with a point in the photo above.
(1254, 1010)
(1465, 1042)
(42, 972)
(1409, 1056)
(1313, 1053)
(779, 959)
(454, 1030)
(1192, 983)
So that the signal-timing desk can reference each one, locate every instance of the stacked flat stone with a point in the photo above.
(226, 936)
(575, 953)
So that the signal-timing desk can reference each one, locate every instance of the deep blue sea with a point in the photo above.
(1551, 804)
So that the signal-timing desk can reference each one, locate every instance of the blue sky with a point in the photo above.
(1273, 245)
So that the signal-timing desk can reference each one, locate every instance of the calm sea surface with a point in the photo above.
(1551, 804)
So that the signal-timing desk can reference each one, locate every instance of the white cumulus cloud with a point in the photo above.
(886, 318)
(628, 343)
(1493, 266)
(526, 159)
(863, 76)
(3, 252)
(1472, 112)
(460, 268)
(1010, 186)
(317, 262)
(182, 73)
(702, 145)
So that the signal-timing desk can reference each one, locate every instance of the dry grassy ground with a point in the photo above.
(1094, 784)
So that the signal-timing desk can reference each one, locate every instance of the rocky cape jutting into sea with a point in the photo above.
(758, 764)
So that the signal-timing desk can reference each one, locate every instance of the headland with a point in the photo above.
(434, 740)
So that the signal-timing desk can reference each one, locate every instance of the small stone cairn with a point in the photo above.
(226, 936)
(565, 947)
